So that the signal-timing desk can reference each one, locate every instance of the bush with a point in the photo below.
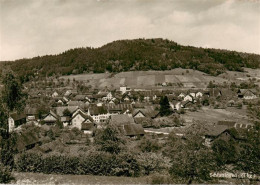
(96, 163)
(149, 145)
(152, 162)
(5, 175)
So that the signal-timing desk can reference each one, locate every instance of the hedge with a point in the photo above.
(97, 163)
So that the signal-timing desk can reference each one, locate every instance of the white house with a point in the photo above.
(182, 95)
(188, 98)
(55, 94)
(80, 118)
(199, 94)
(124, 89)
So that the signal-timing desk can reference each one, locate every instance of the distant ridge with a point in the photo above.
(133, 55)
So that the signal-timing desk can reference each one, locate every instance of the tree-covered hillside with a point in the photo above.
(138, 54)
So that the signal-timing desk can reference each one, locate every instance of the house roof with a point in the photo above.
(26, 139)
(76, 103)
(80, 97)
(121, 119)
(31, 111)
(96, 110)
(148, 111)
(142, 120)
(215, 130)
(83, 115)
(60, 110)
(230, 124)
(17, 116)
(243, 91)
(132, 129)
(87, 126)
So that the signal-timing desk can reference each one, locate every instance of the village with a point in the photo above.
(135, 112)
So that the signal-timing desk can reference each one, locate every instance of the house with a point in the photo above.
(119, 108)
(126, 98)
(188, 98)
(187, 104)
(65, 120)
(60, 110)
(182, 95)
(27, 140)
(31, 114)
(76, 103)
(247, 94)
(199, 95)
(213, 92)
(147, 111)
(99, 114)
(121, 119)
(55, 94)
(193, 95)
(16, 120)
(124, 89)
(51, 118)
(213, 132)
(229, 124)
(80, 119)
(127, 125)
(133, 130)
(176, 105)
(80, 97)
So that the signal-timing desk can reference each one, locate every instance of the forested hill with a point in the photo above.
(138, 54)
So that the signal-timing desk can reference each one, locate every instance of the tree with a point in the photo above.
(66, 112)
(12, 95)
(165, 109)
(191, 160)
(110, 140)
(13, 99)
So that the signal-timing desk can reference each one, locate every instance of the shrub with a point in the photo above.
(149, 145)
(95, 163)
(5, 175)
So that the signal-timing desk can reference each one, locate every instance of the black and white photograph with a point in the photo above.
(129, 92)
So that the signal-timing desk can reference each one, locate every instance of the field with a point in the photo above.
(147, 79)
(39, 178)
(211, 115)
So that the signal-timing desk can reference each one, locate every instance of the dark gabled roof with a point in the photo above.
(87, 126)
(121, 119)
(83, 115)
(230, 124)
(31, 111)
(17, 116)
(53, 114)
(215, 130)
(143, 120)
(60, 110)
(26, 139)
(243, 91)
(80, 97)
(132, 129)
(76, 103)
(95, 110)
(147, 111)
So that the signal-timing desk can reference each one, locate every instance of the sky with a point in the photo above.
(30, 28)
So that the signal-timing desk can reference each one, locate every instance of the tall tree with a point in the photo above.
(12, 99)
(165, 109)
(12, 95)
